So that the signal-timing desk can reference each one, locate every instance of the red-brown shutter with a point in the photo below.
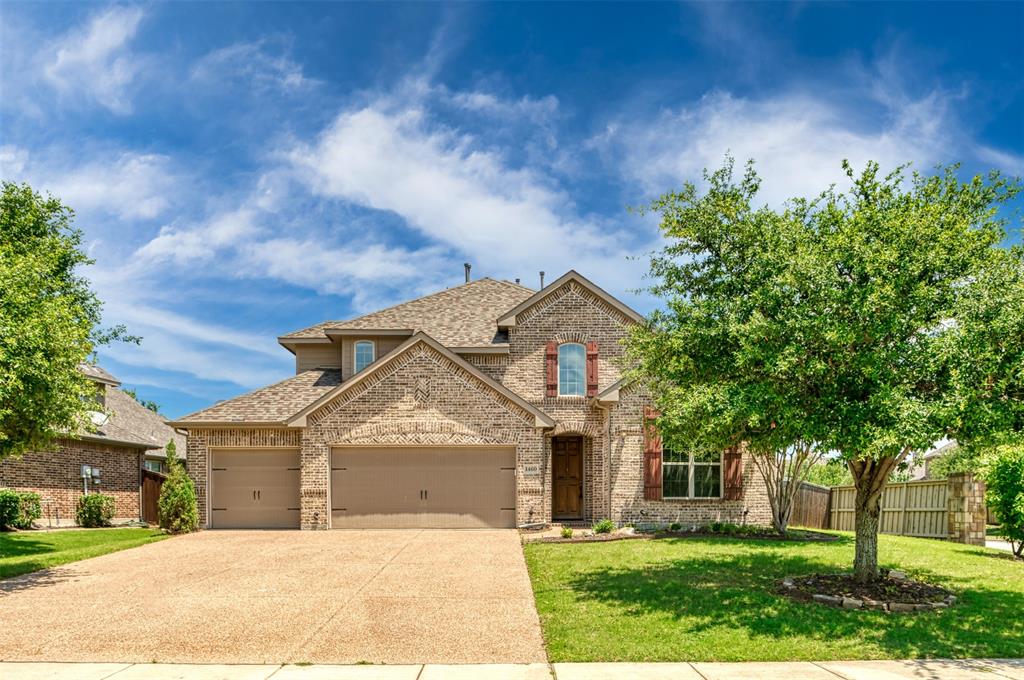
(652, 456)
(592, 368)
(551, 368)
(732, 473)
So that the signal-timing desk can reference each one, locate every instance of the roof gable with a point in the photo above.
(541, 419)
(508, 318)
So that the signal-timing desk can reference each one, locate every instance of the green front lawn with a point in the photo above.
(713, 599)
(27, 551)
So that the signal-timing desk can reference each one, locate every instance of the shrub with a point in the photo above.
(1004, 476)
(179, 513)
(603, 526)
(675, 526)
(18, 509)
(566, 532)
(30, 509)
(94, 510)
(10, 508)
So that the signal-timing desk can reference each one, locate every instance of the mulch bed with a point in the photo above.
(798, 536)
(892, 592)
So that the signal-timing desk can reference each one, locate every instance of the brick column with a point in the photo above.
(316, 468)
(967, 509)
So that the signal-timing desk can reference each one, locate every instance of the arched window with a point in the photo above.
(572, 370)
(364, 355)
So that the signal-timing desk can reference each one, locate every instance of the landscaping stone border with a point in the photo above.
(789, 585)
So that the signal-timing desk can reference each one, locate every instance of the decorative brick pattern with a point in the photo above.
(56, 477)
(967, 509)
(421, 398)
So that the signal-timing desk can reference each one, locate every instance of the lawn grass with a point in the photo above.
(713, 599)
(26, 551)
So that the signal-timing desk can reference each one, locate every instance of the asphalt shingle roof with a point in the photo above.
(130, 421)
(464, 316)
(274, 403)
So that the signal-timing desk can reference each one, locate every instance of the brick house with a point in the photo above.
(127, 438)
(487, 404)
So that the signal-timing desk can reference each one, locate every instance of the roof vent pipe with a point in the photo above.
(542, 279)
(468, 266)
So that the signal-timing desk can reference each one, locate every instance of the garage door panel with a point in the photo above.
(465, 487)
(255, 489)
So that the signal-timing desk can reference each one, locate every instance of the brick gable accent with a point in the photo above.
(421, 397)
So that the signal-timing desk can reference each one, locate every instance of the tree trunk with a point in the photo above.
(867, 509)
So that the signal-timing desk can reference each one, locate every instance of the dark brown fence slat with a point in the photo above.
(810, 506)
(151, 484)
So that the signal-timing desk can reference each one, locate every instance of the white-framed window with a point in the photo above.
(572, 370)
(153, 465)
(688, 474)
(365, 352)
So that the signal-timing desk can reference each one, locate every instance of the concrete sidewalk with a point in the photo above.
(987, 669)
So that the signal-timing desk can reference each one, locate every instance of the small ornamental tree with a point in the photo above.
(832, 321)
(1003, 472)
(178, 511)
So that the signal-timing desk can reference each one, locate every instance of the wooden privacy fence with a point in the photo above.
(908, 508)
(152, 482)
(811, 506)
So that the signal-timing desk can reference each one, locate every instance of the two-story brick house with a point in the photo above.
(484, 405)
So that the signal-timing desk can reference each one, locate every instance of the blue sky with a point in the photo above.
(244, 170)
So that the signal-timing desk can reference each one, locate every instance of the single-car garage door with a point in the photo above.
(255, 489)
(423, 487)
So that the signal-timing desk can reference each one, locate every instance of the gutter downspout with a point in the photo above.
(607, 455)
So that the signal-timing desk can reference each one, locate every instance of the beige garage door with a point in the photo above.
(423, 487)
(255, 489)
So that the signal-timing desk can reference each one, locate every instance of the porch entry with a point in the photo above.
(567, 477)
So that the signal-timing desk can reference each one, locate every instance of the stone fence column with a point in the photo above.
(967, 511)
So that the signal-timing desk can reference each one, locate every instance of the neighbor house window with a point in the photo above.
(364, 354)
(688, 474)
(572, 370)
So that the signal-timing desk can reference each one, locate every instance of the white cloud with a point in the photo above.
(535, 110)
(456, 192)
(93, 61)
(797, 141)
(125, 184)
(223, 231)
(253, 66)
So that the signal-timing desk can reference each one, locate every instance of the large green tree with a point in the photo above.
(48, 322)
(832, 320)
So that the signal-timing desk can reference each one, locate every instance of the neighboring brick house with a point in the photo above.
(487, 404)
(127, 438)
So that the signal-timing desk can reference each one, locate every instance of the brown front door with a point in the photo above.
(567, 469)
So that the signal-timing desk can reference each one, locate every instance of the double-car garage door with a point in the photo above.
(372, 487)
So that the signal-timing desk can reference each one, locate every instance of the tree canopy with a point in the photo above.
(860, 320)
(49, 320)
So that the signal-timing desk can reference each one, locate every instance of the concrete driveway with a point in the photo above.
(402, 596)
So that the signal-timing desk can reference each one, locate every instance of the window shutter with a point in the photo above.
(592, 368)
(551, 368)
(652, 456)
(732, 464)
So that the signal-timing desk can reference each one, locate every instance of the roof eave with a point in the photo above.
(118, 442)
(207, 424)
